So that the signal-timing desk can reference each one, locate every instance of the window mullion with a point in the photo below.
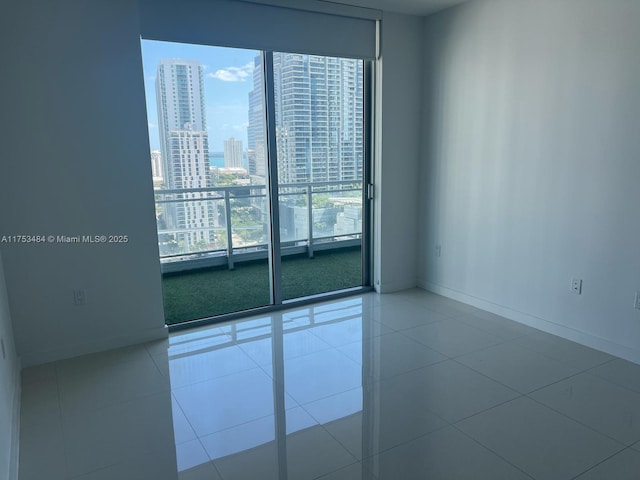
(275, 269)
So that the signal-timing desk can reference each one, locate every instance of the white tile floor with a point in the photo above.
(401, 386)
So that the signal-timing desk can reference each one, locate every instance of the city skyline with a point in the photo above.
(227, 79)
(232, 84)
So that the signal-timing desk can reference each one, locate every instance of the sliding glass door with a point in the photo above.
(259, 166)
(319, 124)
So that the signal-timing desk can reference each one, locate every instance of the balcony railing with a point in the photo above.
(212, 226)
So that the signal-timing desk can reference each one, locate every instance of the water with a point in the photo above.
(216, 159)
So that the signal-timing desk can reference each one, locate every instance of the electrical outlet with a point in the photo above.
(636, 304)
(79, 297)
(576, 286)
(438, 250)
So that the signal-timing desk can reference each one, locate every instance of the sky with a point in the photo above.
(227, 82)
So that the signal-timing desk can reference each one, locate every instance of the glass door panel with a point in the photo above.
(207, 132)
(319, 116)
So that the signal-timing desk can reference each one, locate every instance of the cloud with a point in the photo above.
(233, 74)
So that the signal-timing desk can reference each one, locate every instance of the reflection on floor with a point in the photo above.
(400, 386)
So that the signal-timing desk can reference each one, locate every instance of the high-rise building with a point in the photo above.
(156, 165)
(180, 98)
(233, 153)
(319, 118)
(256, 137)
(185, 150)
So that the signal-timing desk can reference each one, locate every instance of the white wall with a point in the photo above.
(76, 162)
(9, 390)
(531, 163)
(395, 176)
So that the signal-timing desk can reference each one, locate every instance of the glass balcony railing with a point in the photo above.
(217, 225)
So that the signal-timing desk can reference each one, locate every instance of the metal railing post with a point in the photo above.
(227, 215)
(309, 222)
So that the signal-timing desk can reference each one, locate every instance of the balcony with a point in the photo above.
(214, 250)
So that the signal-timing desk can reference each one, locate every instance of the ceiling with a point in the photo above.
(413, 7)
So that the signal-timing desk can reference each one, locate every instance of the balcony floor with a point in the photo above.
(214, 291)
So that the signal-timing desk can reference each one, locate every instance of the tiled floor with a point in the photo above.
(401, 386)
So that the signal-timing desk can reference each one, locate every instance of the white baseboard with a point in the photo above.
(579, 336)
(14, 454)
(37, 358)
(388, 287)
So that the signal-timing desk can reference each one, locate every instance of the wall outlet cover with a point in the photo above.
(576, 286)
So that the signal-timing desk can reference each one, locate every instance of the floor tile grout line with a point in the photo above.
(191, 384)
(456, 359)
(564, 362)
(255, 419)
(411, 440)
(211, 461)
(501, 342)
(175, 399)
(492, 330)
(94, 470)
(323, 425)
(449, 319)
(320, 477)
(492, 451)
(412, 303)
(226, 429)
(412, 370)
(325, 398)
(321, 398)
(612, 382)
(555, 382)
(601, 462)
(492, 407)
(117, 403)
(344, 447)
(581, 423)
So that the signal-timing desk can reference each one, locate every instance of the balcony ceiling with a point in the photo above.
(413, 7)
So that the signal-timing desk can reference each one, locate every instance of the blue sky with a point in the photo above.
(227, 79)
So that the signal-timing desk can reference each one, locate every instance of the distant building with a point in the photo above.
(191, 170)
(233, 153)
(256, 131)
(180, 101)
(349, 221)
(319, 118)
(185, 150)
(156, 165)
